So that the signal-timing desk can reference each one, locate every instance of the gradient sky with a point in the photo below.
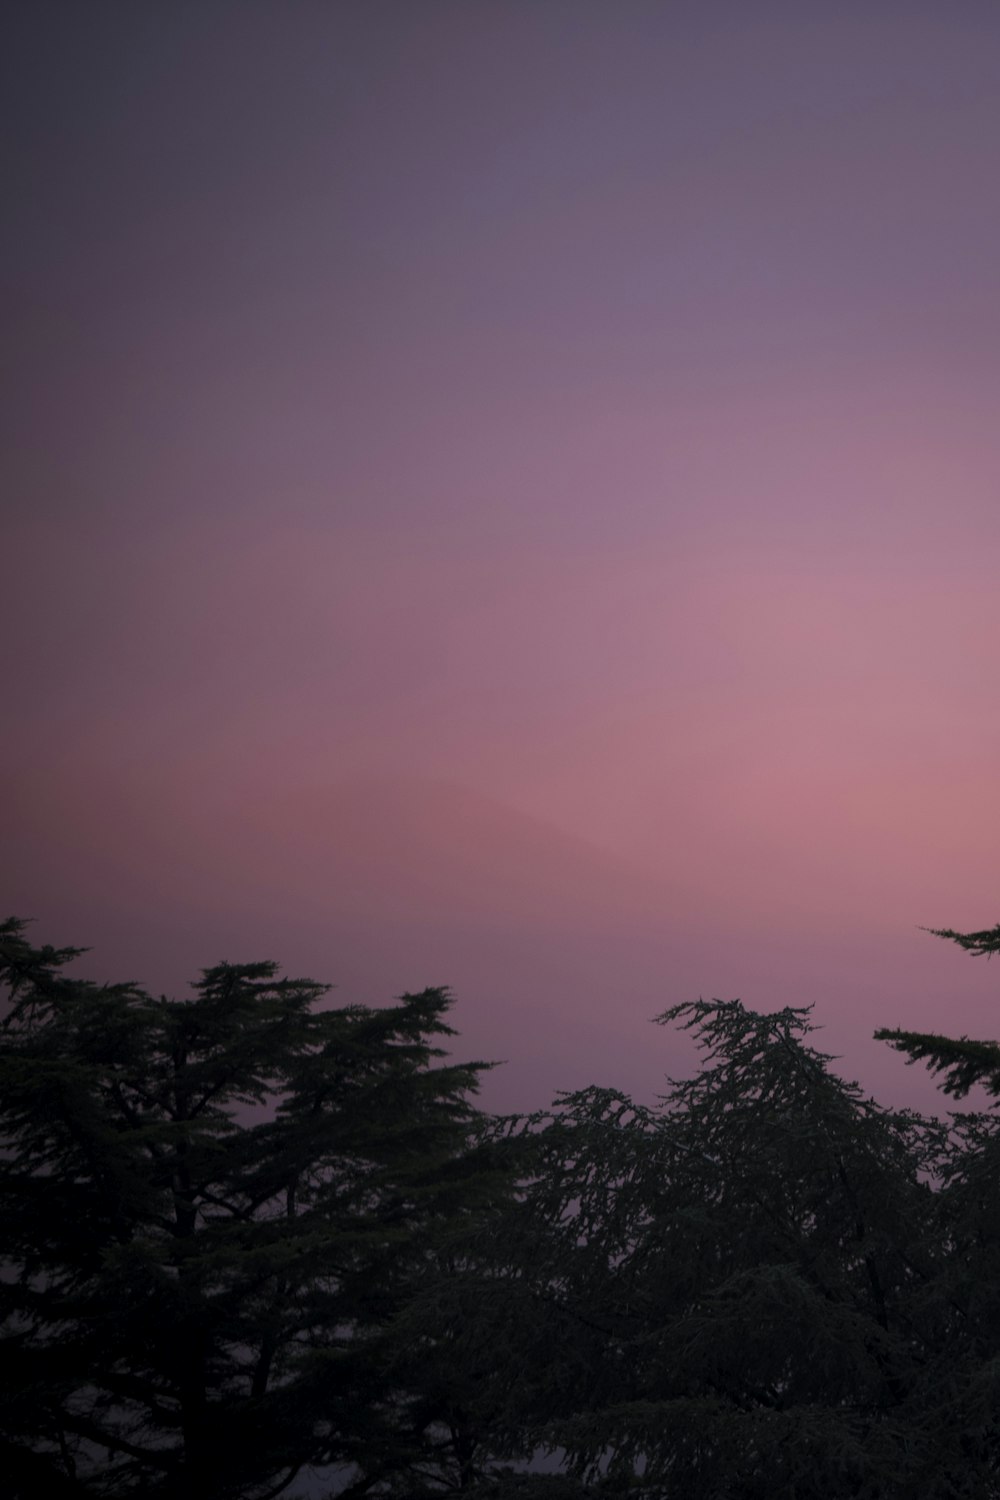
(508, 495)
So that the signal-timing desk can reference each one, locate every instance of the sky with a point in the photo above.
(507, 495)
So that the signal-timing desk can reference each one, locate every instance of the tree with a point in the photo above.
(248, 1232)
(964, 1062)
(211, 1214)
(969, 1200)
(743, 1294)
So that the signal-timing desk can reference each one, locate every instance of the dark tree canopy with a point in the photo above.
(964, 1062)
(249, 1233)
(209, 1210)
(727, 1296)
(769, 1287)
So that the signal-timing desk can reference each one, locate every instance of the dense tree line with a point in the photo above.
(255, 1245)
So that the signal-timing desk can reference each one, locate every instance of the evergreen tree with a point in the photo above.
(964, 1062)
(211, 1214)
(248, 1232)
(739, 1295)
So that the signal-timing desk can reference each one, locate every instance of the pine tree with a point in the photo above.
(211, 1214)
(737, 1295)
(964, 1062)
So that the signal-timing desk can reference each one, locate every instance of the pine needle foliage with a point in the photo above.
(211, 1211)
(964, 1062)
(734, 1295)
(248, 1233)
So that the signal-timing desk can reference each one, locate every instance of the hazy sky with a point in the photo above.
(508, 494)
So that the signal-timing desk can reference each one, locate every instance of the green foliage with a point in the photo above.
(210, 1211)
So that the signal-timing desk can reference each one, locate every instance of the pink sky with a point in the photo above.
(508, 496)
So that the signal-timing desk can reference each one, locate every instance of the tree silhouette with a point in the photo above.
(734, 1294)
(964, 1062)
(247, 1233)
(210, 1212)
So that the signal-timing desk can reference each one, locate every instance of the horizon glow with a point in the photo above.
(509, 497)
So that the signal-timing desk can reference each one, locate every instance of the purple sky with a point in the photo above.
(508, 495)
